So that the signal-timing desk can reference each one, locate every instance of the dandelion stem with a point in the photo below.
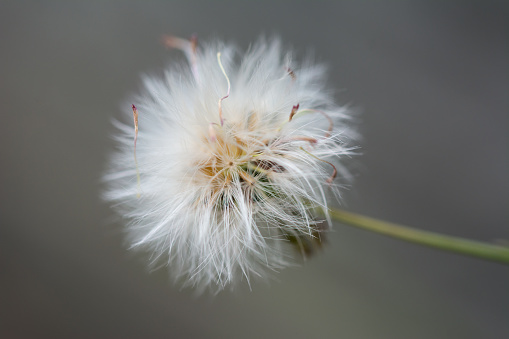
(449, 243)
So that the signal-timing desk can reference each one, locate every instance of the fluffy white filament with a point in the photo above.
(224, 190)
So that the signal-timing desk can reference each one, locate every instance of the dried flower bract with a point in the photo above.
(232, 153)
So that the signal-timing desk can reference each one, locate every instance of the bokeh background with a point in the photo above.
(431, 80)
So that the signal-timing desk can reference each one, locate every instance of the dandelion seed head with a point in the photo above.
(234, 151)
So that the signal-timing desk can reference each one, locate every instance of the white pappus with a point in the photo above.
(228, 158)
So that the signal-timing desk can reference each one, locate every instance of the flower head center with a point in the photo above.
(236, 162)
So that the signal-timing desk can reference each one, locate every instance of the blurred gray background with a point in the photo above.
(431, 80)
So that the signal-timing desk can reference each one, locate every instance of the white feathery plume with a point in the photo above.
(232, 153)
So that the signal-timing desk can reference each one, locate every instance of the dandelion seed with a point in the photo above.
(335, 171)
(135, 116)
(291, 73)
(228, 92)
(228, 186)
(294, 111)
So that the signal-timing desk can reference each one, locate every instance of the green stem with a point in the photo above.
(472, 248)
